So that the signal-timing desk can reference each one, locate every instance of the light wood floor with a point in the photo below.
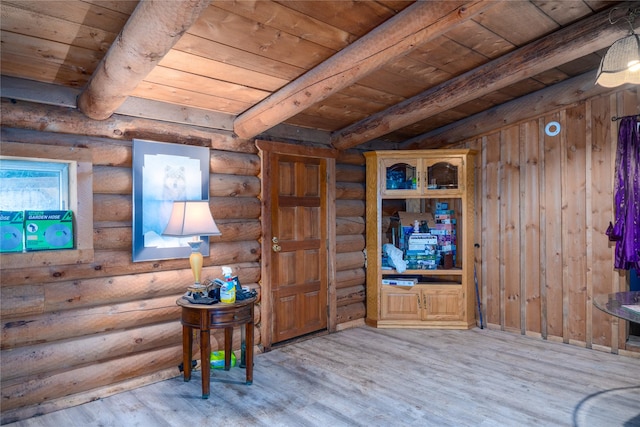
(369, 377)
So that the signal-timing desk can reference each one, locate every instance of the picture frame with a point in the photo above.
(164, 172)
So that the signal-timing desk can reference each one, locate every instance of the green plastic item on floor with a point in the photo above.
(217, 359)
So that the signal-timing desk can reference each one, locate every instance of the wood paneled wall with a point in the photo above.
(543, 206)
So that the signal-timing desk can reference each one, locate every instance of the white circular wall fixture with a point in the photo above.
(552, 128)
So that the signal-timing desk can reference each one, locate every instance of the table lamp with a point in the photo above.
(192, 218)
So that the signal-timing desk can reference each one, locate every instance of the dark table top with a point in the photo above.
(617, 305)
(217, 306)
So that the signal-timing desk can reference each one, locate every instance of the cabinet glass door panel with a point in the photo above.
(400, 176)
(444, 175)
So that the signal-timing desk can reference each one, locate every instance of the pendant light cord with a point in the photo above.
(629, 17)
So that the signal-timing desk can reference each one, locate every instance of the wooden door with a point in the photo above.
(298, 246)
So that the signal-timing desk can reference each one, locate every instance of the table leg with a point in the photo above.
(243, 347)
(205, 364)
(249, 355)
(187, 343)
(228, 341)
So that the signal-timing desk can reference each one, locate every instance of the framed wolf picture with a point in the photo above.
(162, 173)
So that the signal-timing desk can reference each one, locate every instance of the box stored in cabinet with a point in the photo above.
(407, 219)
(46, 230)
(11, 231)
(400, 281)
(423, 239)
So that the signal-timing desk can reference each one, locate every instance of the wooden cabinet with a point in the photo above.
(432, 190)
(438, 303)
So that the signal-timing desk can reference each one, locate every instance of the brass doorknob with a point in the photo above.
(276, 247)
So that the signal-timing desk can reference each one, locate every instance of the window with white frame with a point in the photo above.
(34, 185)
(49, 177)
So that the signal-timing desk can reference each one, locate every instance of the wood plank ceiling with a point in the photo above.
(359, 71)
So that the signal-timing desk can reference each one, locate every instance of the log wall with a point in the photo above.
(350, 237)
(74, 333)
(543, 206)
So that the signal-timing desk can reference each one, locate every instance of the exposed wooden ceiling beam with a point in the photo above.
(575, 41)
(540, 102)
(15, 88)
(151, 31)
(415, 25)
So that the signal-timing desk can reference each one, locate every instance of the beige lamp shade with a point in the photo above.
(191, 218)
(621, 63)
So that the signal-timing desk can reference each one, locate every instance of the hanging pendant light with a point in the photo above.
(621, 63)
